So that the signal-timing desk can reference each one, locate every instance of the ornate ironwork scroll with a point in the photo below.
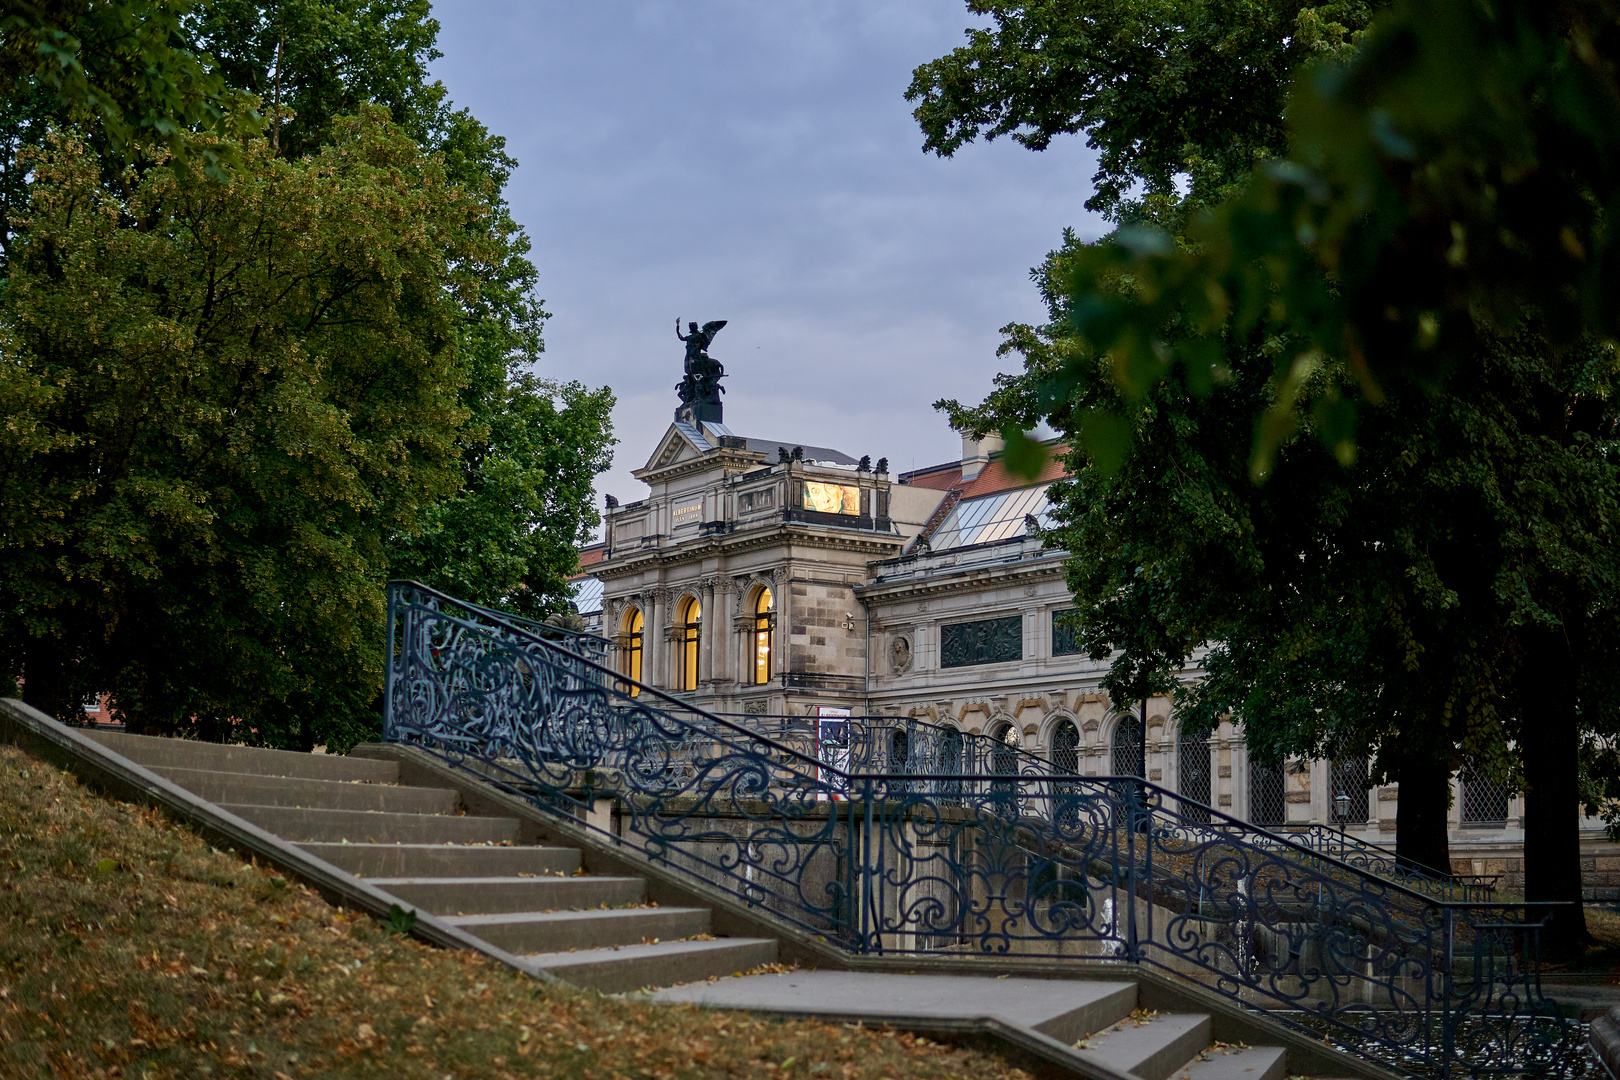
(931, 839)
(988, 641)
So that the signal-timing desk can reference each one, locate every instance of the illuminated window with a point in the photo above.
(764, 619)
(691, 616)
(630, 648)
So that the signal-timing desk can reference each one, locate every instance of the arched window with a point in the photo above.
(950, 760)
(899, 759)
(1004, 762)
(764, 625)
(1065, 747)
(1127, 748)
(1004, 755)
(899, 750)
(630, 633)
(687, 637)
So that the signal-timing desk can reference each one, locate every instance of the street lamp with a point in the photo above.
(1341, 810)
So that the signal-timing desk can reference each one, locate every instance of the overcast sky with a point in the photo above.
(757, 162)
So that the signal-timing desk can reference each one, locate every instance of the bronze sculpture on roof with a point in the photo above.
(701, 386)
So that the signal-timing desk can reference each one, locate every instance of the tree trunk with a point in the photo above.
(1421, 840)
(45, 679)
(1552, 844)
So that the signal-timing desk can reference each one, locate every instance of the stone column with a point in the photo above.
(739, 641)
(653, 644)
(1297, 790)
(781, 644)
(709, 636)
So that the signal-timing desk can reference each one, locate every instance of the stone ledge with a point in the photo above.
(108, 771)
(1604, 1039)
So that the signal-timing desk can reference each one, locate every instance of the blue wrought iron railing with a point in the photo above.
(930, 861)
(901, 744)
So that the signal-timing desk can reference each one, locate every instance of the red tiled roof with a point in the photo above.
(588, 556)
(993, 478)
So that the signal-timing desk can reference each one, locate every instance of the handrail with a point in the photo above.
(924, 861)
(981, 749)
(594, 643)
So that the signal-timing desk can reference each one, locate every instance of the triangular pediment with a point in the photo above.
(675, 447)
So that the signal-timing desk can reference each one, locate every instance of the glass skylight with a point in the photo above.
(588, 595)
(989, 518)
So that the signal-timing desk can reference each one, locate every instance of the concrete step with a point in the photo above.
(497, 895)
(299, 824)
(561, 931)
(1082, 1007)
(150, 750)
(1236, 1063)
(233, 787)
(1151, 1047)
(442, 860)
(635, 967)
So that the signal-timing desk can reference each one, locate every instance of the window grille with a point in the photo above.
(1127, 748)
(1192, 779)
(950, 760)
(1065, 641)
(1484, 801)
(899, 751)
(1004, 756)
(1350, 780)
(1266, 803)
(1065, 747)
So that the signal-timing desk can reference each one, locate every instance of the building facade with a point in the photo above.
(763, 578)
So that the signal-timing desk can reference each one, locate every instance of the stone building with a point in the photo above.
(765, 578)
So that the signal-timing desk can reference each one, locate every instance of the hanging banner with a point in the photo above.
(832, 749)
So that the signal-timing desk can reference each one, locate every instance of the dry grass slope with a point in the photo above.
(130, 948)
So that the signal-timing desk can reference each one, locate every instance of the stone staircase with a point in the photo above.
(414, 844)
(539, 903)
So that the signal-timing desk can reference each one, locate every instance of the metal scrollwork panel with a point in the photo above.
(932, 840)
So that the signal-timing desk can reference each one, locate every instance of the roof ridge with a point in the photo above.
(939, 516)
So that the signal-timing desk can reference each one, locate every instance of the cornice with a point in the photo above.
(966, 579)
(707, 460)
(785, 534)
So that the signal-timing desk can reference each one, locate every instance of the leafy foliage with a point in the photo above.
(163, 549)
(1419, 289)
(1166, 91)
(125, 68)
(531, 446)
(507, 538)
(216, 421)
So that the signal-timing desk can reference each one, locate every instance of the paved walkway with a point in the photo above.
(1045, 1004)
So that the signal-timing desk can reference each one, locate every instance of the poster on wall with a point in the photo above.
(831, 498)
(832, 750)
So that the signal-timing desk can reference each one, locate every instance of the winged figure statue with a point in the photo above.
(703, 372)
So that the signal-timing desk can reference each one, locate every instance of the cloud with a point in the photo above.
(726, 159)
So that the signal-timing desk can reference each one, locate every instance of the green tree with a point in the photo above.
(124, 68)
(1429, 263)
(221, 402)
(502, 524)
(1173, 94)
(532, 446)
(509, 538)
